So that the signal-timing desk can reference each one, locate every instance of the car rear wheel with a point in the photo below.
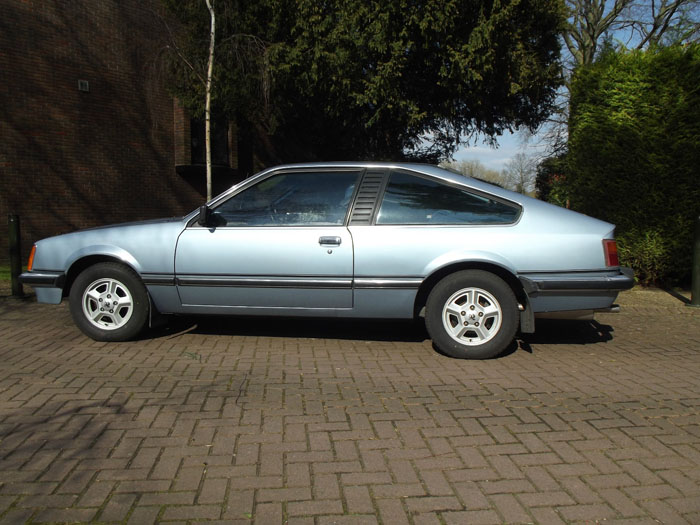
(471, 314)
(109, 302)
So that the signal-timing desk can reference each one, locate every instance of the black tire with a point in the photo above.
(482, 300)
(109, 302)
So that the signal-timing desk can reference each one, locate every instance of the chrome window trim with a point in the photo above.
(252, 181)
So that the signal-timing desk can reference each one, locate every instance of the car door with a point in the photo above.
(279, 244)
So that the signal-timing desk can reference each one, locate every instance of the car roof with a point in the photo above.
(427, 169)
(546, 210)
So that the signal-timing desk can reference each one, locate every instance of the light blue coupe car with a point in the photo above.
(364, 240)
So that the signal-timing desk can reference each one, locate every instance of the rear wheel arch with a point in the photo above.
(472, 314)
(434, 278)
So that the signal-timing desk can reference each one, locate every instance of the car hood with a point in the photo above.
(146, 246)
(132, 223)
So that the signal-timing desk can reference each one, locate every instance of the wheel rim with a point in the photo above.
(472, 316)
(107, 304)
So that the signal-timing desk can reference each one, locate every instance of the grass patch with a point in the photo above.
(5, 272)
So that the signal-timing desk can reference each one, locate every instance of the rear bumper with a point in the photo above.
(537, 283)
(549, 292)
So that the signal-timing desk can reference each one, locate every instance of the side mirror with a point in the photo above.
(204, 214)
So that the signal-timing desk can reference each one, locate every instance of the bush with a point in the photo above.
(551, 181)
(649, 253)
(634, 152)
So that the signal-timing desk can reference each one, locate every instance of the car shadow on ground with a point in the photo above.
(279, 327)
(549, 331)
(566, 332)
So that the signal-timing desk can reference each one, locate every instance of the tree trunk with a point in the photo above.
(207, 107)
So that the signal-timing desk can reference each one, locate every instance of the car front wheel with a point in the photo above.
(109, 302)
(471, 314)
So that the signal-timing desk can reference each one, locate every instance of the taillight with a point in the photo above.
(31, 258)
(610, 249)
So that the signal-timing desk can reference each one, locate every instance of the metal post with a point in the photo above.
(695, 288)
(15, 255)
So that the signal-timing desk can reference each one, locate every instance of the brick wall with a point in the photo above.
(181, 134)
(71, 159)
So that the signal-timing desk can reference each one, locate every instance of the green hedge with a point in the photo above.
(634, 154)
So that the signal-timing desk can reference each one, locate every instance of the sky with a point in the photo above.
(497, 158)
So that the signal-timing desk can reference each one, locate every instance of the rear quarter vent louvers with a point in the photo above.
(367, 196)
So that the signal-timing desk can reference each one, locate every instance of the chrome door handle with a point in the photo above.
(329, 241)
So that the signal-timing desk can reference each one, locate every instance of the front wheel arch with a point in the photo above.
(106, 284)
(82, 264)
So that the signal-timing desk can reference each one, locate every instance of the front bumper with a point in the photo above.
(37, 279)
(48, 286)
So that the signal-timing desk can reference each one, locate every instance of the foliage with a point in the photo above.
(594, 27)
(634, 151)
(550, 181)
(593, 22)
(347, 79)
(6, 273)
(649, 252)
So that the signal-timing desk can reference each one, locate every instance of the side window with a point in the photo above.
(414, 200)
(292, 199)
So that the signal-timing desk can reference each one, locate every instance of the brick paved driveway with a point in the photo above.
(242, 421)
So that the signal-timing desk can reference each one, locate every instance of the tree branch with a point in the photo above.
(172, 46)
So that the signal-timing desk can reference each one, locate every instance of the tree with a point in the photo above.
(638, 23)
(201, 69)
(347, 79)
(474, 169)
(634, 151)
(207, 88)
(519, 173)
(595, 26)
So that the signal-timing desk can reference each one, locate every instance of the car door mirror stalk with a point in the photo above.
(204, 214)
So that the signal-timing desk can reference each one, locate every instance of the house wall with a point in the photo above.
(71, 159)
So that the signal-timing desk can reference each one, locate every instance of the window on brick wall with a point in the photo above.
(219, 142)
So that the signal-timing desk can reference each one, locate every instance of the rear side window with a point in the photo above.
(415, 200)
